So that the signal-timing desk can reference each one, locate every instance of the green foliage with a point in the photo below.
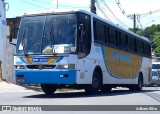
(156, 40)
(153, 33)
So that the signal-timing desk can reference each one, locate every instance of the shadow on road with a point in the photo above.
(83, 94)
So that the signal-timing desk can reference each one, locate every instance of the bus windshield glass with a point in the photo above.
(49, 34)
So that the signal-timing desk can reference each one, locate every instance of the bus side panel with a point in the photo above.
(121, 67)
(86, 66)
(146, 70)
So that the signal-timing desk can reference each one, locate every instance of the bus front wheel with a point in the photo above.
(49, 89)
(95, 86)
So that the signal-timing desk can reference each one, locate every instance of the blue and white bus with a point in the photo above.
(81, 50)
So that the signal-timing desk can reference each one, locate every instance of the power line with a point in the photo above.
(149, 13)
(107, 12)
(103, 12)
(121, 8)
(104, 3)
(42, 2)
(56, 4)
(33, 4)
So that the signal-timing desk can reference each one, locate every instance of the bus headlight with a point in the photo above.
(19, 67)
(67, 66)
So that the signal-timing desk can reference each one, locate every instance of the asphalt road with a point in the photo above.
(119, 96)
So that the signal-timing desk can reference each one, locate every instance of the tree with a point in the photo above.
(153, 33)
(156, 40)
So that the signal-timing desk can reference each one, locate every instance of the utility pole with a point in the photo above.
(93, 7)
(133, 17)
(134, 23)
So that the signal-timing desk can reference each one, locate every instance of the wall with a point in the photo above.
(2, 23)
(6, 50)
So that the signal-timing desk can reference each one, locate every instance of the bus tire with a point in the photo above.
(140, 83)
(49, 89)
(95, 86)
(137, 87)
(106, 89)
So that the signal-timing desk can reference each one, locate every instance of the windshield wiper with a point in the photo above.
(52, 41)
(24, 42)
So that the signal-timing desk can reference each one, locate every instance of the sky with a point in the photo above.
(130, 7)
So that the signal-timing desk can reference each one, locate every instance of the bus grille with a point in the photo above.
(40, 66)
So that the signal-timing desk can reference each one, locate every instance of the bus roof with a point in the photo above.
(89, 13)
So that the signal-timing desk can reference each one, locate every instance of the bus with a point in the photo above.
(78, 49)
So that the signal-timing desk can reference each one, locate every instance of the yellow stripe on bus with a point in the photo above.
(122, 64)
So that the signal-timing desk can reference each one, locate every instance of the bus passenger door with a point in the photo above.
(84, 45)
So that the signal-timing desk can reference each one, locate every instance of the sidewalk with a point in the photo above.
(6, 87)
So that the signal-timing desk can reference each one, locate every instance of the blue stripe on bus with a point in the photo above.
(46, 76)
(22, 59)
(59, 59)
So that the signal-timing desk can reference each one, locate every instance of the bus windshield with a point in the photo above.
(47, 34)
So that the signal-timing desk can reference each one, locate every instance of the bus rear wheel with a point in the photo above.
(49, 89)
(106, 89)
(137, 87)
(140, 83)
(95, 86)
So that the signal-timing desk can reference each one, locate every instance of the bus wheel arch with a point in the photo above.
(99, 71)
(138, 86)
(97, 81)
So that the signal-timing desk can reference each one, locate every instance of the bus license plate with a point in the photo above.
(39, 60)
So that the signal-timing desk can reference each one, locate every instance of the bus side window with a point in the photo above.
(135, 45)
(107, 35)
(95, 30)
(120, 40)
(140, 47)
(131, 43)
(99, 31)
(147, 50)
(116, 37)
(126, 39)
(112, 37)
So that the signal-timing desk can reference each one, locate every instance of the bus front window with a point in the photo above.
(60, 34)
(30, 35)
(47, 34)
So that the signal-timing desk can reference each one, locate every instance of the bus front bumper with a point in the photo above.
(45, 77)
